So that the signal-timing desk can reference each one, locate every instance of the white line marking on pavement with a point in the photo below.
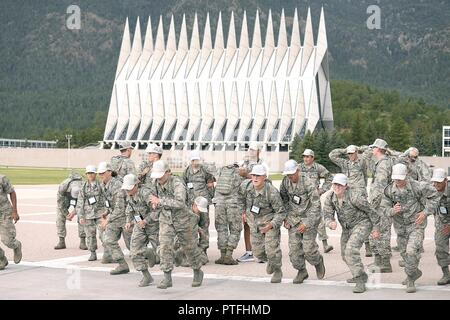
(36, 205)
(37, 214)
(70, 223)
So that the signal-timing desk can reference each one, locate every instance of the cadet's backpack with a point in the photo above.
(226, 180)
(116, 163)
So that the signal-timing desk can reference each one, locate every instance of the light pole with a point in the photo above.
(68, 137)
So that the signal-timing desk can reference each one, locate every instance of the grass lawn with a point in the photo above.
(34, 176)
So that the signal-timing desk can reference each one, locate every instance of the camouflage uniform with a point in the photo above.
(144, 178)
(441, 218)
(174, 220)
(416, 197)
(196, 183)
(356, 171)
(115, 203)
(268, 201)
(314, 173)
(139, 204)
(123, 166)
(92, 213)
(7, 228)
(228, 215)
(67, 196)
(302, 203)
(357, 219)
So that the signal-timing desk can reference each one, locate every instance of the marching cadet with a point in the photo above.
(200, 183)
(8, 214)
(442, 223)
(146, 226)
(171, 198)
(114, 219)
(357, 219)
(66, 200)
(228, 212)
(264, 203)
(91, 207)
(409, 203)
(313, 172)
(302, 203)
(154, 153)
(356, 169)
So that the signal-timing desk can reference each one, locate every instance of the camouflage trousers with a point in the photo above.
(228, 223)
(91, 227)
(321, 231)
(7, 232)
(442, 243)
(204, 224)
(140, 239)
(303, 246)
(351, 242)
(177, 226)
(410, 240)
(382, 245)
(61, 225)
(111, 238)
(126, 235)
(266, 246)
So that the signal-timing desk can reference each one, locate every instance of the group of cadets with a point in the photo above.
(164, 218)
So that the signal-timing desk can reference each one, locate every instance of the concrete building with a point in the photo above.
(446, 141)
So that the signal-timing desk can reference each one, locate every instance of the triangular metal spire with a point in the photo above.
(148, 48)
(195, 112)
(183, 116)
(136, 49)
(322, 43)
(260, 114)
(194, 49)
(171, 114)
(231, 46)
(206, 46)
(299, 117)
(125, 49)
(233, 114)
(256, 45)
(295, 44)
(218, 46)
(272, 115)
(124, 116)
(243, 45)
(269, 45)
(282, 45)
(220, 114)
(207, 115)
(308, 43)
(286, 111)
(182, 47)
(246, 115)
(112, 114)
(158, 114)
(159, 48)
(171, 47)
(147, 112)
(135, 114)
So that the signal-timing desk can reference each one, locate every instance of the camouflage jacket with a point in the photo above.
(68, 190)
(114, 199)
(144, 178)
(265, 206)
(314, 173)
(126, 166)
(354, 209)
(138, 207)
(301, 201)
(91, 201)
(5, 189)
(381, 178)
(196, 183)
(235, 196)
(173, 198)
(355, 171)
(250, 164)
(414, 198)
(443, 210)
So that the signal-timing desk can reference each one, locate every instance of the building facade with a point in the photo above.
(446, 141)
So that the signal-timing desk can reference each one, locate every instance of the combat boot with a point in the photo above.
(121, 268)
(83, 245)
(18, 253)
(166, 282)
(386, 265)
(445, 277)
(177, 258)
(146, 279)
(223, 252)
(198, 278)
(368, 249)
(326, 247)
(351, 280)
(320, 269)
(269, 268)
(410, 286)
(61, 244)
(204, 258)
(360, 281)
(3, 263)
(107, 259)
(376, 265)
(93, 256)
(277, 275)
(301, 276)
(228, 260)
(151, 258)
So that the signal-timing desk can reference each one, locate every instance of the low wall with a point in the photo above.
(80, 158)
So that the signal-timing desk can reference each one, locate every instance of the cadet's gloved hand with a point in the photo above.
(375, 234)
(332, 225)
(82, 221)
(421, 217)
(286, 225)
(397, 208)
(71, 215)
(127, 226)
(142, 224)
(266, 228)
(15, 216)
(301, 228)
